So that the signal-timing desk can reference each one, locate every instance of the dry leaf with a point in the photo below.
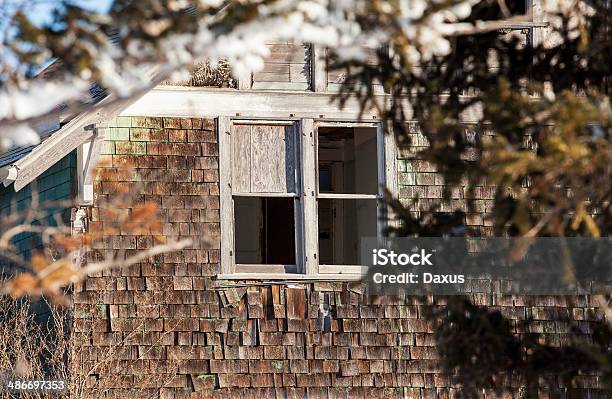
(25, 283)
(67, 242)
(39, 262)
(63, 273)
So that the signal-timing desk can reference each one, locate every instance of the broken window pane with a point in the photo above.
(342, 224)
(348, 160)
(264, 230)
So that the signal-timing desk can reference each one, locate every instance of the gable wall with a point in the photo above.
(167, 327)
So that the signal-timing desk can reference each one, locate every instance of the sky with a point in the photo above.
(42, 11)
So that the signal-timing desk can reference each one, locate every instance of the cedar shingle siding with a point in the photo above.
(170, 330)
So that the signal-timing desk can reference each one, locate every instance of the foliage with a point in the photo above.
(547, 104)
(34, 344)
(540, 131)
(139, 44)
(479, 348)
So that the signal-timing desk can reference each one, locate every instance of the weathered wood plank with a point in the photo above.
(241, 158)
(282, 68)
(319, 70)
(225, 194)
(309, 196)
(287, 53)
(343, 269)
(295, 86)
(272, 159)
(202, 102)
(296, 303)
(299, 73)
(336, 76)
(271, 76)
(333, 87)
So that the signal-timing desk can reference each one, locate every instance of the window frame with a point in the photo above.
(378, 197)
(228, 194)
(306, 198)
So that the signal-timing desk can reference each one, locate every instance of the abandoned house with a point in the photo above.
(277, 184)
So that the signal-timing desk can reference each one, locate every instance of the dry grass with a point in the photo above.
(34, 345)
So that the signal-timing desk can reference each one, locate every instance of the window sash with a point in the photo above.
(227, 195)
(382, 161)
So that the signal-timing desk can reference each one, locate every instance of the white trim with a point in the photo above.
(61, 143)
(348, 196)
(83, 157)
(276, 195)
(273, 122)
(200, 102)
(8, 174)
(87, 158)
(290, 277)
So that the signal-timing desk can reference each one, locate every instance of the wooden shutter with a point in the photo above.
(263, 158)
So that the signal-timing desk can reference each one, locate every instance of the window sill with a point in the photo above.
(290, 277)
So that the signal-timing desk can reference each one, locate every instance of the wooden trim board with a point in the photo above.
(199, 102)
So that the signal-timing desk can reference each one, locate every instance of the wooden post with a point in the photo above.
(319, 69)
(309, 196)
(226, 201)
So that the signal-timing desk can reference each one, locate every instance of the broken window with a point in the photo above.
(348, 188)
(298, 203)
(342, 224)
(265, 230)
(348, 160)
(264, 193)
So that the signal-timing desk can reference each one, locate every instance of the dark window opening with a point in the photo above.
(348, 160)
(264, 230)
(342, 225)
(517, 7)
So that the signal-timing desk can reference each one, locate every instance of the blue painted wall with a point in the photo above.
(58, 183)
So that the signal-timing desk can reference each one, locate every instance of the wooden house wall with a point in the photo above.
(168, 328)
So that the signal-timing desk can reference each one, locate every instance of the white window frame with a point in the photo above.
(306, 200)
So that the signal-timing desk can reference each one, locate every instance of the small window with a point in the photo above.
(264, 196)
(265, 230)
